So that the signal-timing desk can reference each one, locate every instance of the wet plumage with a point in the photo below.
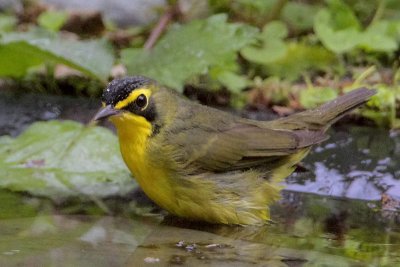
(205, 164)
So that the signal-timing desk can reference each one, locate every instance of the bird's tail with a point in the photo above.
(324, 116)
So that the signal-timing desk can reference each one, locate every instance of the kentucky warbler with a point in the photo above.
(205, 164)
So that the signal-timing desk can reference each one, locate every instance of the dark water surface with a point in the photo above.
(340, 209)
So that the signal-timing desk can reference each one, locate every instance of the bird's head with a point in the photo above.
(128, 98)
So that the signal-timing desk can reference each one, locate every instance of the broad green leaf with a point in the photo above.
(264, 55)
(342, 16)
(52, 20)
(338, 41)
(300, 16)
(314, 97)
(378, 37)
(340, 31)
(272, 48)
(274, 30)
(393, 29)
(189, 50)
(301, 58)
(19, 51)
(234, 82)
(18, 57)
(7, 23)
(64, 159)
(337, 27)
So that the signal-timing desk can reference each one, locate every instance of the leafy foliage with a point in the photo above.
(272, 48)
(313, 97)
(52, 20)
(191, 50)
(382, 107)
(297, 40)
(64, 159)
(231, 80)
(20, 51)
(300, 59)
(299, 16)
(7, 23)
(340, 31)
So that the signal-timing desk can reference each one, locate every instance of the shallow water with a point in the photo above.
(340, 209)
(356, 162)
(308, 230)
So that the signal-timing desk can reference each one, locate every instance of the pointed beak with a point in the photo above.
(105, 112)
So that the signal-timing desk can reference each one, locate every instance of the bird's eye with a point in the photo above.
(141, 101)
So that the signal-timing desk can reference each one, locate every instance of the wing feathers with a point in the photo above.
(242, 145)
(217, 141)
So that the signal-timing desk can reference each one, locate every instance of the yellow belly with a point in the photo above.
(192, 198)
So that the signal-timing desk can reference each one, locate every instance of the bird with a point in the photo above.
(204, 164)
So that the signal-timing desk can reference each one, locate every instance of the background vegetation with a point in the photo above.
(282, 54)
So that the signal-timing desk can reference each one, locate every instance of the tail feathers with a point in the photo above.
(336, 109)
(324, 116)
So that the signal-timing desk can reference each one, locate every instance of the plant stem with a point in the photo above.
(379, 11)
(364, 75)
(159, 28)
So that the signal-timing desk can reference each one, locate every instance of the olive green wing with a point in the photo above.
(208, 139)
(240, 144)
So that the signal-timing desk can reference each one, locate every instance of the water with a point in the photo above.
(340, 209)
(308, 230)
(356, 162)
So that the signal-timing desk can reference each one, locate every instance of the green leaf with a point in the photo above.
(273, 47)
(264, 55)
(235, 83)
(288, 60)
(337, 40)
(20, 51)
(382, 106)
(301, 58)
(378, 37)
(7, 23)
(52, 20)
(259, 6)
(342, 16)
(189, 50)
(12, 206)
(314, 97)
(17, 58)
(64, 159)
(299, 16)
(274, 30)
(340, 31)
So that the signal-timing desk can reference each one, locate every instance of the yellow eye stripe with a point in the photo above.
(132, 97)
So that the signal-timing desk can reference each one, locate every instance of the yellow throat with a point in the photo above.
(134, 132)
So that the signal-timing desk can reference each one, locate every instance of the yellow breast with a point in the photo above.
(134, 132)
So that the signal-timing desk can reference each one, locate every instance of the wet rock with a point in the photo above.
(6, 5)
(85, 23)
(122, 12)
(18, 111)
